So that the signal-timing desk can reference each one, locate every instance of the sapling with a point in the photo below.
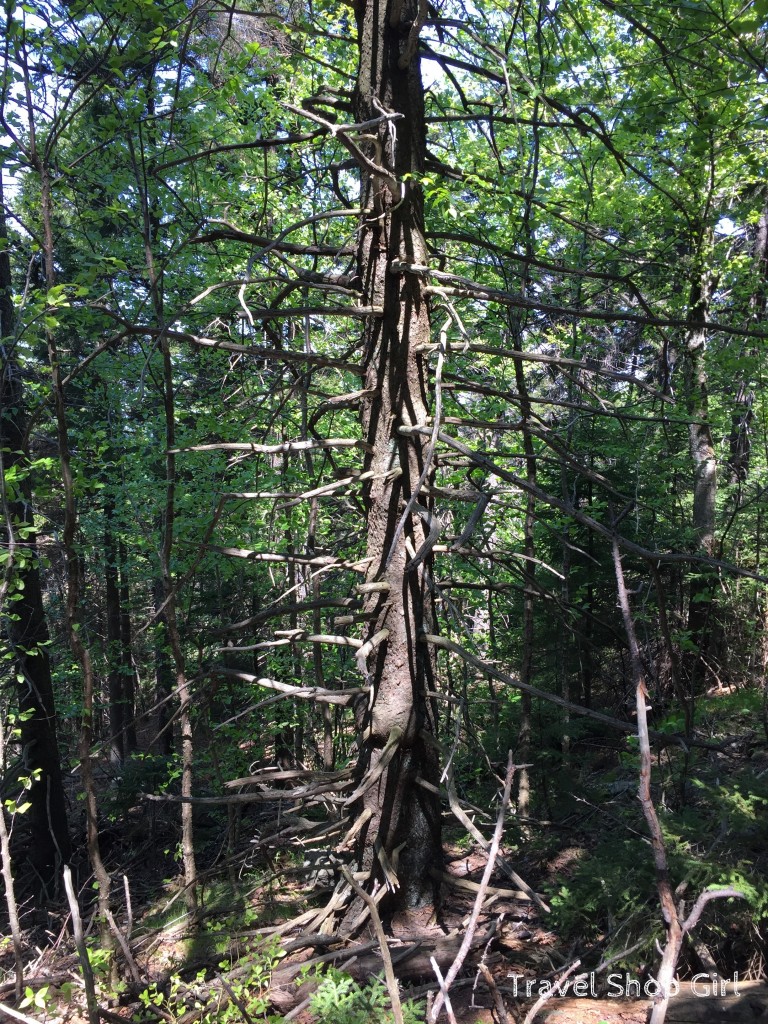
(676, 927)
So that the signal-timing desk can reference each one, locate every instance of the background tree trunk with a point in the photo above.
(704, 458)
(24, 623)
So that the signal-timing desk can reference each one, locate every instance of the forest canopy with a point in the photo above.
(384, 471)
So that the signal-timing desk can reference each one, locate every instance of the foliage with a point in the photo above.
(247, 993)
(181, 202)
(35, 998)
(339, 999)
(610, 892)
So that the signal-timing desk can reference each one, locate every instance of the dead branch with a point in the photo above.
(302, 692)
(388, 752)
(17, 1014)
(467, 885)
(531, 1015)
(676, 929)
(463, 287)
(276, 775)
(498, 1002)
(275, 449)
(392, 986)
(472, 925)
(662, 557)
(303, 793)
(82, 952)
(277, 611)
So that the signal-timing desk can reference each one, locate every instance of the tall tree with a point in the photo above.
(24, 623)
(398, 726)
(399, 366)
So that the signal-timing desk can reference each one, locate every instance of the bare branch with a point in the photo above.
(464, 287)
(704, 898)
(303, 692)
(480, 898)
(274, 449)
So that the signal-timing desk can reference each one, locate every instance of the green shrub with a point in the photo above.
(340, 1000)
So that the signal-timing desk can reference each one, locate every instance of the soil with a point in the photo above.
(511, 941)
(253, 887)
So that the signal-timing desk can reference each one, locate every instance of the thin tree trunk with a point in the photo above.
(154, 280)
(183, 692)
(126, 656)
(6, 868)
(317, 654)
(163, 673)
(529, 549)
(117, 709)
(529, 545)
(700, 432)
(704, 460)
(673, 924)
(151, 231)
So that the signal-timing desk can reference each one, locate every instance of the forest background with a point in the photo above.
(384, 444)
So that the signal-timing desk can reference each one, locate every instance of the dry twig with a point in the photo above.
(481, 893)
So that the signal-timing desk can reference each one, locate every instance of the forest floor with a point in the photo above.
(179, 966)
(261, 947)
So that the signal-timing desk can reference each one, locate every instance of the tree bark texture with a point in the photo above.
(163, 740)
(398, 722)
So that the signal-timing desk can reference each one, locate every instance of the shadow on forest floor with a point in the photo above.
(586, 855)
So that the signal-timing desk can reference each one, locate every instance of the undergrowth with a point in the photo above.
(339, 999)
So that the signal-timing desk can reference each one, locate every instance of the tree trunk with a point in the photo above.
(73, 564)
(117, 707)
(704, 459)
(24, 623)
(163, 674)
(126, 657)
(700, 432)
(398, 722)
(529, 594)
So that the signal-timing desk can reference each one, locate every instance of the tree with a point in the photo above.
(397, 371)
(26, 637)
(400, 723)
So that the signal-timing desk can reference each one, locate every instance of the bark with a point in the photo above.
(317, 654)
(182, 688)
(126, 656)
(672, 923)
(24, 624)
(122, 712)
(704, 458)
(398, 721)
(739, 442)
(6, 871)
(529, 593)
(699, 431)
(529, 544)
(676, 926)
(117, 708)
(151, 237)
(163, 674)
